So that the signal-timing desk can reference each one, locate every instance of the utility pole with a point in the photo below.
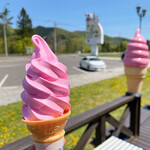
(5, 40)
(55, 39)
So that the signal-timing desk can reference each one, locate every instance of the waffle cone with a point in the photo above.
(47, 131)
(135, 78)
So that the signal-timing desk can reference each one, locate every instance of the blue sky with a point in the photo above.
(117, 17)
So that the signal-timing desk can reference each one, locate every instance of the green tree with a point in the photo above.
(76, 44)
(24, 24)
(123, 46)
(5, 18)
(6, 21)
(106, 47)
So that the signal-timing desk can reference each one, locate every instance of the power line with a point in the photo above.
(58, 23)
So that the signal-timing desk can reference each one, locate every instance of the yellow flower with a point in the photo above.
(8, 114)
(1, 144)
(13, 113)
(75, 139)
(5, 129)
(116, 86)
(13, 119)
(14, 134)
(7, 135)
(142, 104)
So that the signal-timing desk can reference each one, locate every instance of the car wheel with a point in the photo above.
(88, 67)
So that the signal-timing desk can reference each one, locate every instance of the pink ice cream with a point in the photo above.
(46, 88)
(137, 54)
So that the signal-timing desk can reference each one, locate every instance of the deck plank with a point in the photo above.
(144, 139)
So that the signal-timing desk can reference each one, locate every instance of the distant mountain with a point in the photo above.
(64, 34)
(114, 41)
(67, 42)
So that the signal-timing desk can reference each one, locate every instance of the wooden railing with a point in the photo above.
(96, 119)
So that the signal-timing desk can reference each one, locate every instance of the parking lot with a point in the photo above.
(12, 72)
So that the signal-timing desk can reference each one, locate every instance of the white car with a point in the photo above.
(92, 63)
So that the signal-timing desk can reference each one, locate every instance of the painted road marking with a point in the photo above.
(3, 80)
(80, 70)
(8, 66)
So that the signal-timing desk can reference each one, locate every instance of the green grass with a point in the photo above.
(110, 55)
(82, 99)
(118, 55)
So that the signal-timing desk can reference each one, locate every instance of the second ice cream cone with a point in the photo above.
(135, 77)
(135, 62)
(47, 131)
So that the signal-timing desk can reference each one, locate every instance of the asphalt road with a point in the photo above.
(12, 69)
(12, 72)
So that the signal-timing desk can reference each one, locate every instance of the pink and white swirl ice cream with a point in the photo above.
(46, 88)
(137, 54)
(135, 62)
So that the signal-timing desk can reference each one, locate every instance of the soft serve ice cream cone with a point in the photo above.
(46, 97)
(135, 62)
(48, 134)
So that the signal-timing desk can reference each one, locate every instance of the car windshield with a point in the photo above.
(94, 59)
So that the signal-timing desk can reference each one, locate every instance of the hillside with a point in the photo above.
(114, 40)
(64, 34)
(67, 42)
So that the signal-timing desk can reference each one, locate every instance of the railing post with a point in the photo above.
(101, 130)
(135, 114)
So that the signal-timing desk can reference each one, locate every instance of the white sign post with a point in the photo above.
(94, 33)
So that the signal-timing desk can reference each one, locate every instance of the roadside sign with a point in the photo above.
(94, 31)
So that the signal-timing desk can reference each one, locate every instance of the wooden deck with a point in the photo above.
(144, 139)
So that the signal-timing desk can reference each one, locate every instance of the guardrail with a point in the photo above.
(96, 119)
